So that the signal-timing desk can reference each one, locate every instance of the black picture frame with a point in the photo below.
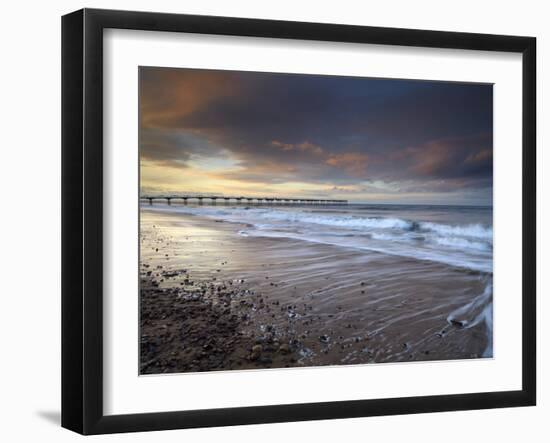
(82, 218)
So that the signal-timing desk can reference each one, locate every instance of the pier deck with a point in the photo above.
(213, 199)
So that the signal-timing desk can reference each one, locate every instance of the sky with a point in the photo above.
(366, 140)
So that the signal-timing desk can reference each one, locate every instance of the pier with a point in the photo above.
(213, 199)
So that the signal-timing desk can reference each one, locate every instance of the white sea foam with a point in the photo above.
(479, 310)
(343, 221)
(472, 230)
(462, 243)
(473, 312)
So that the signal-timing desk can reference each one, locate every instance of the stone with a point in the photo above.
(284, 348)
(254, 356)
(457, 323)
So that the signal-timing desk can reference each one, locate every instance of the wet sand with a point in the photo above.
(211, 299)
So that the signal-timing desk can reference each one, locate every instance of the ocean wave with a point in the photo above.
(471, 230)
(445, 231)
(383, 236)
(340, 221)
(461, 243)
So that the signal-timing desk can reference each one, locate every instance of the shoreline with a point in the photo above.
(426, 255)
(215, 303)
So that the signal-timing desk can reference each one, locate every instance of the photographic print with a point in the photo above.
(298, 220)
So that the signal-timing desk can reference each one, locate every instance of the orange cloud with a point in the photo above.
(354, 163)
(432, 158)
(168, 95)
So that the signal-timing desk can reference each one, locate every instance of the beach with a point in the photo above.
(233, 288)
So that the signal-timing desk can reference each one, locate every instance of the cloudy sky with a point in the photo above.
(365, 140)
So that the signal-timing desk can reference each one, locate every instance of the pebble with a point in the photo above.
(284, 348)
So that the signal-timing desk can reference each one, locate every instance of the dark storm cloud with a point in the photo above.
(320, 128)
(345, 111)
(174, 147)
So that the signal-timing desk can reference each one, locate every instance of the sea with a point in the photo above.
(460, 236)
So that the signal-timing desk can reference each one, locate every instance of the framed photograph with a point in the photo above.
(269, 221)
